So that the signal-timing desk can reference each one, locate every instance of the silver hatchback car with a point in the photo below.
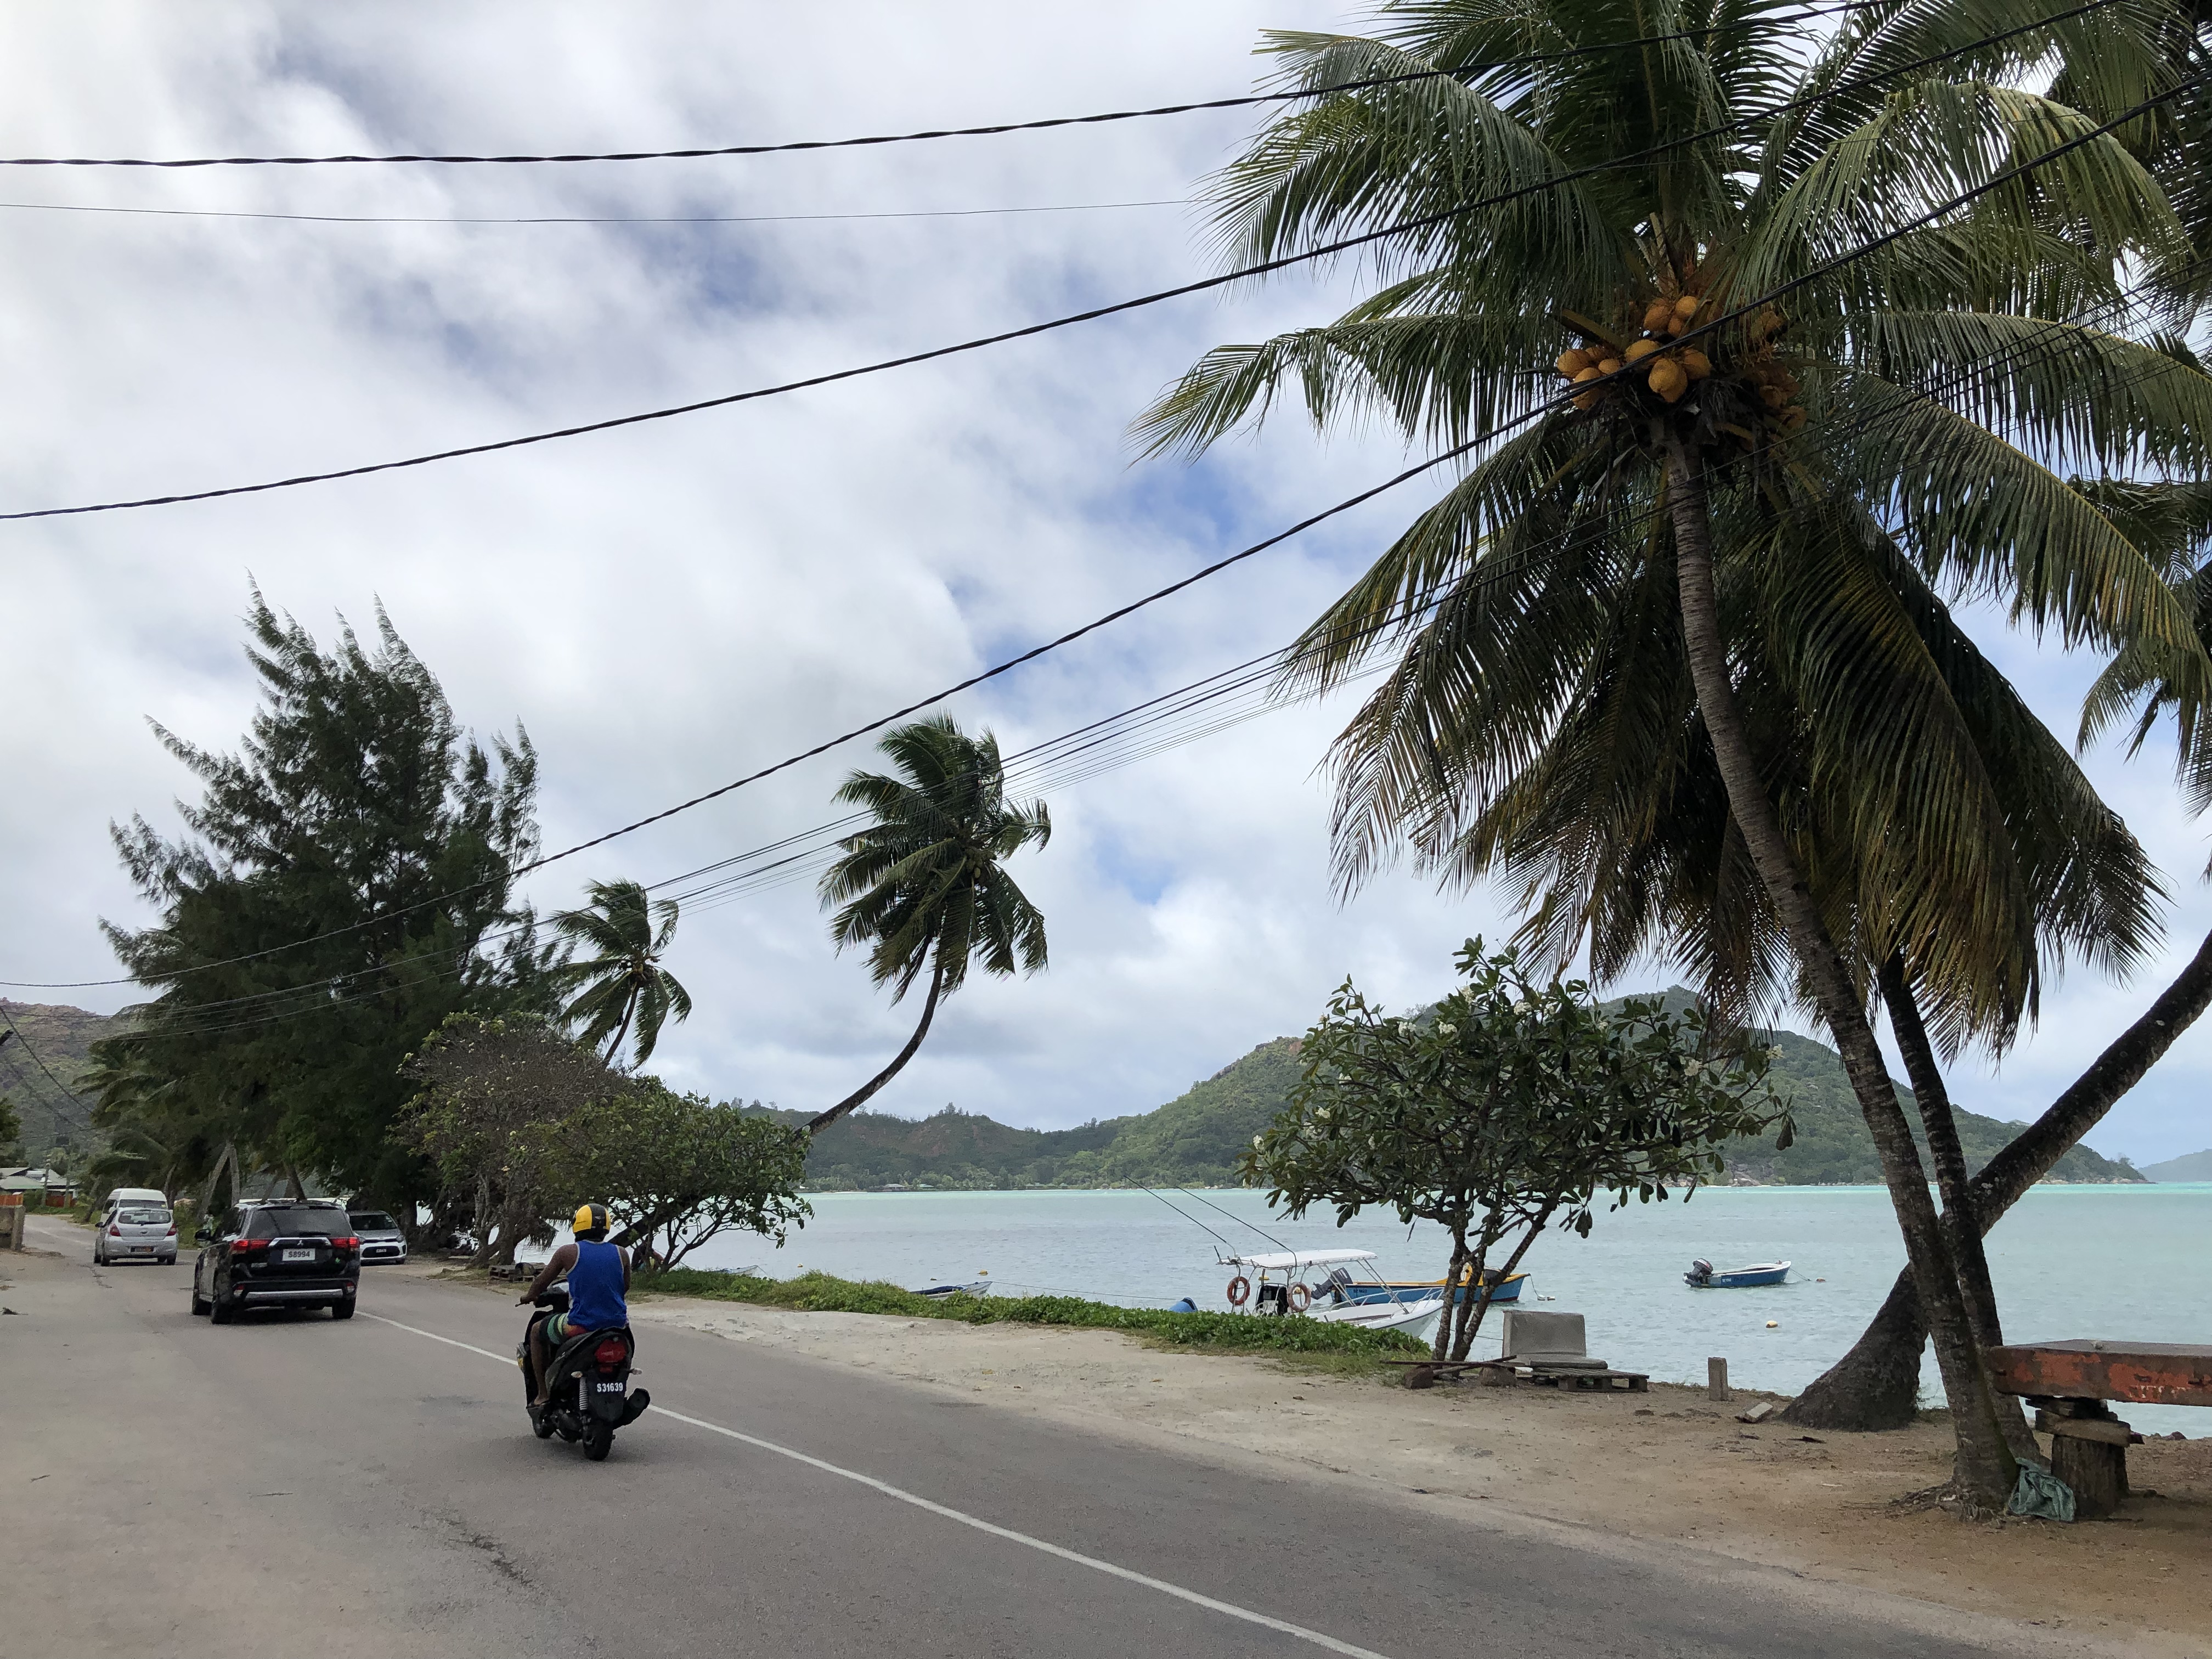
(137, 1232)
(381, 1240)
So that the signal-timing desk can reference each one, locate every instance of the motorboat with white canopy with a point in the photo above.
(1342, 1287)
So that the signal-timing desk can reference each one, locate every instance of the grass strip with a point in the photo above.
(1212, 1333)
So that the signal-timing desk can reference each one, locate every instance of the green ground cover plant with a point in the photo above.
(1213, 1333)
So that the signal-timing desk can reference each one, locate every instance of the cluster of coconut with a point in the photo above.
(1674, 369)
(1774, 385)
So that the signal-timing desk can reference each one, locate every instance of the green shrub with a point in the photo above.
(1218, 1332)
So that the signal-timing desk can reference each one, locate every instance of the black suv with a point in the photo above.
(297, 1253)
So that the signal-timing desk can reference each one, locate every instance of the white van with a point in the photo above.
(138, 1198)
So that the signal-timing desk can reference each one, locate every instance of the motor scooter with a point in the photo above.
(588, 1393)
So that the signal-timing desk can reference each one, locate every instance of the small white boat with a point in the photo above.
(1340, 1287)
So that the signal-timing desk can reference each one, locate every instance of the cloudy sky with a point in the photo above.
(672, 605)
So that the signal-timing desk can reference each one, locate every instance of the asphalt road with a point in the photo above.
(290, 1484)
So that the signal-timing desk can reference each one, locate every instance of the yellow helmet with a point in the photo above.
(590, 1218)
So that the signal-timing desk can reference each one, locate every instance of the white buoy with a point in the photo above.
(1773, 1324)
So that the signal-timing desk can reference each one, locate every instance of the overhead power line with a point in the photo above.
(1245, 101)
(1202, 285)
(1220, 700)
(580, 218)
(1812, 274)
(1071, 758)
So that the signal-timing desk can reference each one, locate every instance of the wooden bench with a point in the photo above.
(2069, 1382)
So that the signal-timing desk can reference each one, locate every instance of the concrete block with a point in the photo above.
(1551, 1335)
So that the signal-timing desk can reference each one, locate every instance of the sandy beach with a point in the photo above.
(1671, 1466)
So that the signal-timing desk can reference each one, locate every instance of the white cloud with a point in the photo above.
(671, 605)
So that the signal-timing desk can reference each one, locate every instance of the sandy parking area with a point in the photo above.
(1666, 1466)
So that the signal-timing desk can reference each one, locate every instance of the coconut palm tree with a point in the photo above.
(624, 982)
(1710, 515)
(921, 886)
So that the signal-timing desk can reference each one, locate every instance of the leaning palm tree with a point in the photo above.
(920, 887)
(623, 982)
(1717, 503)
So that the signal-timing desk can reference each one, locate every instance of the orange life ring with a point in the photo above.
(1300, 1298)
(1239, 1288)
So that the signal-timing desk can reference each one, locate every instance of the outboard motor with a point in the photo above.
(1701, 1272)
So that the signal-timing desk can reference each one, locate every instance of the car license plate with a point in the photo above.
(299, 1255)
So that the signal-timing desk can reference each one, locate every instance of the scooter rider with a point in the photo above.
(598, 1279)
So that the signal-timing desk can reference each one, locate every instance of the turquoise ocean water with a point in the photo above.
(2094, 1262)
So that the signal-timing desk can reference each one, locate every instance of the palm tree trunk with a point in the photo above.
(1876, 1385)
(629, 1007)
(1983, 1467)
(1933, 1102)
(867, 1092)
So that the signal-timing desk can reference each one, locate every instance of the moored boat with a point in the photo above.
(1704, 1276)
(1286, 1282)
(1502, 1288)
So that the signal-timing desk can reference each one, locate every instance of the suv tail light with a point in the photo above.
(611, 1353)
(350, 1241)
(247, 1246)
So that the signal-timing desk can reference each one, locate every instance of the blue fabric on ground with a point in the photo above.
(2041, 1493)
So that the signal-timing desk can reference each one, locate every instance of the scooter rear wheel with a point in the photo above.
(599, 1441)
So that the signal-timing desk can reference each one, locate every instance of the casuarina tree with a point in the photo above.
(920, 889)
(622, 983)
(1694, 484)
(342, 887)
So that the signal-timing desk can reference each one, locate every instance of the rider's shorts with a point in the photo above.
(557, 1329)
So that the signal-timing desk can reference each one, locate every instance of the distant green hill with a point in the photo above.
(2192, 1166)
(1194, 1139)
(62, 1038)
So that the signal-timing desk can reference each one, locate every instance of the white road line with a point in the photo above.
(1319, 1639)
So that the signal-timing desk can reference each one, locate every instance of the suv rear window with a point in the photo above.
(374, 1221)
(293, 1220)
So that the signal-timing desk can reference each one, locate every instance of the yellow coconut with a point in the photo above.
(1694, 362)
(1609, 365)
(1687, 306)
(1657, 315)
(1573, 361)
(1667, 380)
(1593, 373)
(1639, 349)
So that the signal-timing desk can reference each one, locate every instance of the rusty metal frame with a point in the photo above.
(2146, 1373)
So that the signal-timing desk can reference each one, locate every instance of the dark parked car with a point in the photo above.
(381, 1239)
(295, 1253)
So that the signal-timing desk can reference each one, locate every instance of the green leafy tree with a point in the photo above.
(483, 1086)
(1511, 1105)
(921, 888)
(343, 886)
(11, 1127)
(1705, 514)
(623, 981)
(674, 1170)
(522, 1123)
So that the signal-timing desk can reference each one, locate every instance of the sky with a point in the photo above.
(672, 605)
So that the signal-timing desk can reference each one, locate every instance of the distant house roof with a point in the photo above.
(27, 1177)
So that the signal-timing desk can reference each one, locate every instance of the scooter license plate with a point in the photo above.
(607, 1388)
(298, 1256)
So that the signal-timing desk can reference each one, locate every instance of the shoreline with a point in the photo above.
(1669, 1468)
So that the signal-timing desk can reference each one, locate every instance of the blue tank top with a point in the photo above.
(595, 1287)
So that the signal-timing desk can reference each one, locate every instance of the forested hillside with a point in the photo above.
(1194, 1139)
(62, 1038)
